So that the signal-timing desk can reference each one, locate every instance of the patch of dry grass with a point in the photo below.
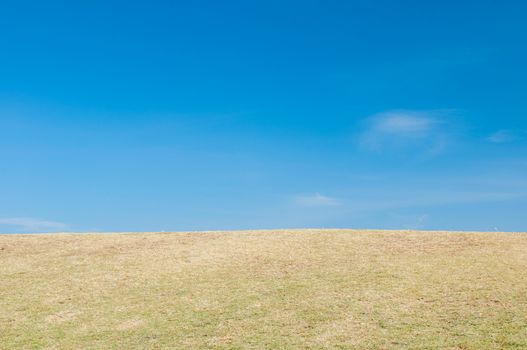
(264, 289)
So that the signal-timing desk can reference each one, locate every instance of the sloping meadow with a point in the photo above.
(283, 289)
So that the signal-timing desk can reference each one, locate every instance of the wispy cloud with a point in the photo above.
(405, 123)
(503, 136)
(411, 222)
(315, 200)
(400, 128)
(31, 224)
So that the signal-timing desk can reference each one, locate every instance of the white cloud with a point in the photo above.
(503, 136)
(404, 123)
(315, 200)
(399, 128)
(32, 224)
(411, 222)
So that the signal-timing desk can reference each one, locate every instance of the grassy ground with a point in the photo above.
(264, 290)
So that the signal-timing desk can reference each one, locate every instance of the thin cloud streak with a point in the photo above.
(401, 128)
(316, 200)
(365, 205)
(503, 136)
(32, 224)
(407, 124)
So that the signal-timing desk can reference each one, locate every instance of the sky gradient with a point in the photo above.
(203, 115)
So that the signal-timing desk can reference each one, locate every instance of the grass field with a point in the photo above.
(301, 289)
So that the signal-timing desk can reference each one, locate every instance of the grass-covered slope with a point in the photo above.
(264, 289)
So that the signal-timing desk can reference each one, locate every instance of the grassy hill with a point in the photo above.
(264, 289)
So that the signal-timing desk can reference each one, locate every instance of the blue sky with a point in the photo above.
(158, 115)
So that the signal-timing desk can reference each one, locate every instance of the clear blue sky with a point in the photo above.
(198, 115)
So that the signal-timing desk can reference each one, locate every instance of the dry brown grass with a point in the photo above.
(264, 289)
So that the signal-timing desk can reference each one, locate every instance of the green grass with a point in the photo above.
(308, 289)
